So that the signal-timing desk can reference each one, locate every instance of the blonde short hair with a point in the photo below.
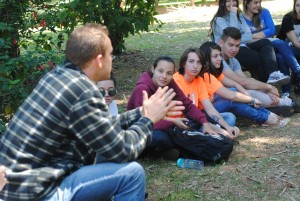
(85, 43)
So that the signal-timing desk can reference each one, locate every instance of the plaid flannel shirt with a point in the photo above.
(59, 128)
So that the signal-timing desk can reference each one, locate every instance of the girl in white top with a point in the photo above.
(108, 90)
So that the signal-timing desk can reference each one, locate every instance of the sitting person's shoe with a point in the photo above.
(285, 95)
(285, 101)
(284, 110)
(277, 78)
(285, 107)
(171, 154)
(297, 104)
(297, 89)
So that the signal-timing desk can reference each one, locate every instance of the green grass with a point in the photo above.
(265, 164)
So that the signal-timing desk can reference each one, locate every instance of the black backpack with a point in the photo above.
(193, 144)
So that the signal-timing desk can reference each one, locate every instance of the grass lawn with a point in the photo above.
(265, 163)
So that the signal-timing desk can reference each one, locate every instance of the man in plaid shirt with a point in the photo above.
(50, 145)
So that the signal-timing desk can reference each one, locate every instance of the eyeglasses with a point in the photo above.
(111, 91)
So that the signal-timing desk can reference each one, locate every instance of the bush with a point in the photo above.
(32, 34)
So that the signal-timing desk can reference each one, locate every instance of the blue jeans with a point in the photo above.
(286, 60)
(259, 115)
(229, 118)
(161, 140)
(285, 70)
(103, 181)
(296, 52)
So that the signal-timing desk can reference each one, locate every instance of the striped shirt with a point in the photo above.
(59, 128)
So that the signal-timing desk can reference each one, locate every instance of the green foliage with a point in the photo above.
(133, 17)
(32, 34)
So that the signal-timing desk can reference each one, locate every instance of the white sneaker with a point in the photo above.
(277, 78)
(285, 101)
(284, 95)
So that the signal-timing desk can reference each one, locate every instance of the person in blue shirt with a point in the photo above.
(256, 56)
(290, 32)
(262, 26)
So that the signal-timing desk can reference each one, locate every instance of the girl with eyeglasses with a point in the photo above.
(108, 91)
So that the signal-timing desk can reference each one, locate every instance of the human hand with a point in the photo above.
(3, 180)
(179, 122)
(159, 104)
(273, 90)
(233, 132)
(176, 110)
(275, 99)
(212, 129)
(256, 103)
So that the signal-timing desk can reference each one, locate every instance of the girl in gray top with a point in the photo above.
(256, 56)
(229, 15)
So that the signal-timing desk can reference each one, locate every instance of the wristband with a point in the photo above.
(252, 103)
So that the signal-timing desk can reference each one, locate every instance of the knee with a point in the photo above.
(230, 118)
(161, 140)
(137, 171)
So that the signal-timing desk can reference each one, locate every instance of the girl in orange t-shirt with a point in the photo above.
(192, 85)
(226, 100)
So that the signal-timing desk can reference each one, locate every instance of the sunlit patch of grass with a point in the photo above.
(265, 162)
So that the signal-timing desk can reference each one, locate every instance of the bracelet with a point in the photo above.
(252, 103)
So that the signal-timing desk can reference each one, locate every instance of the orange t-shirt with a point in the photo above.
(212, 84)
(195, 91)
(220, 78)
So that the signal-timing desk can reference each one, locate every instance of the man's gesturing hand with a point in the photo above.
(160, 104)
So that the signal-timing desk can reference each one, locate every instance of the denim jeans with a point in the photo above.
(282, 48)
(286, 60)
(103, 181)
(229, 118)
(161, 140)
(296, 52)
(285, 70)
(259, 57)
(259, 115)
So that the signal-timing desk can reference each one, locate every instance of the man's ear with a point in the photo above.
(98, 60)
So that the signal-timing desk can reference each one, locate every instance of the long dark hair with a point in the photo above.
(294, 10)
(221, 12)
(162, 58)
(207, 48)
(184, 58)
(256, 16)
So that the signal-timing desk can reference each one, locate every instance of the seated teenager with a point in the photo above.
(290, 32)
(108, 91)
(161, 75)
(258, 56)
(226, 100)
(262, 26)
(188, 78)
(266, 93)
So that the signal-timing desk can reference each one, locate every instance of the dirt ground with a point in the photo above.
(265, 162)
